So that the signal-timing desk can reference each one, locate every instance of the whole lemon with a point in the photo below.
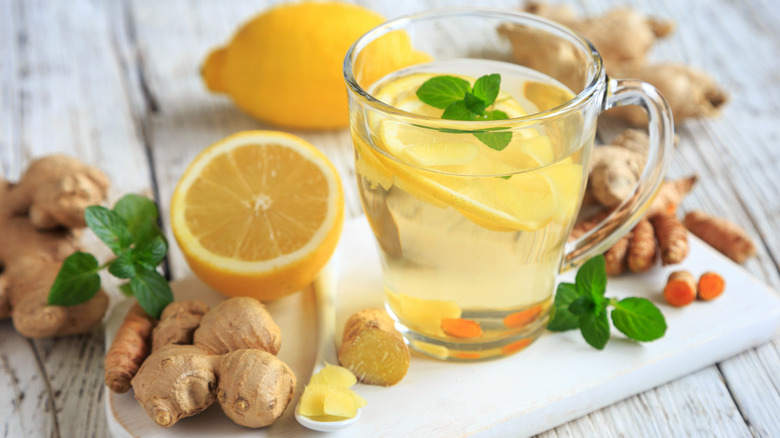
(285, 65)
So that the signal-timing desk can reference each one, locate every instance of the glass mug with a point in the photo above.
(472, 216)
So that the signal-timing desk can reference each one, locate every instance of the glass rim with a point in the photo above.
(398, 23)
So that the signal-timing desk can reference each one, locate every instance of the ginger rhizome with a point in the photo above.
(624, 38)
(373, 349)
(42, 217)
(232, 362)
(725, 236)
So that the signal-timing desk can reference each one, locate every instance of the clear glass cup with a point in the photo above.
(472, 217)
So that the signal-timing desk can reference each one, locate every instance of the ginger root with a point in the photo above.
(723, 235)
(624, 38)
(178, 322)
(373, 349)
(228, 363)
(42, 216)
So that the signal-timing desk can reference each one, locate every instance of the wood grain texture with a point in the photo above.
(116, 84)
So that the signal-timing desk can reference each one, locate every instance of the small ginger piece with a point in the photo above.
(672, 238)
(239, 322)
(128, 349)
(254, 387)
(680, 289)
(178, 322)
(642, 247)
(373, 349)
(328, 395)
(711, 285)
(614, 174)
(725, 236)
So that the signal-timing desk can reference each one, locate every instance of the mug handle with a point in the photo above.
(622, 92)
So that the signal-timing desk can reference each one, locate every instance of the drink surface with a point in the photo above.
(471, 237)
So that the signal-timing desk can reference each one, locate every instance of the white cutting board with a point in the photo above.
(555, 380)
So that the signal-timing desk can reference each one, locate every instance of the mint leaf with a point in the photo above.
(561, 319)
(494, 140)
(126, 289)
(441, 91)
(123, 266)
(151, 290)
(77, 281)
(474, 104)
(591, 278)
(457, 111)
(140, 214)
(583, 305)
(152, 253)
(595, 328)
(496, 115)
(639, 319)
(109, 227)
(486, 88)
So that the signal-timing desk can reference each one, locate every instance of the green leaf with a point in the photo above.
(126, 289)
(109, 227)
(496, 115)
(591, 278)
(639, 319)
(441, 91)
(561, 319)
(457, 111)
(77, 281)
(595, 328)
(123, 266)
(486, 88)
(152, 253)
(474, 104)
(151, 290)
(140, 215)
(494, 140)
(583, 305)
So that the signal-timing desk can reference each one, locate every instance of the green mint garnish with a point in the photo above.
(582, 305)
(130, 230)
(461, 101)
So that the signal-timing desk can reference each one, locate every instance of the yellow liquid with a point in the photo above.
(471, 238)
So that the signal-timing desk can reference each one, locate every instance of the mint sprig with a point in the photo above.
(582, 305)
(462, 101)
(130, 230)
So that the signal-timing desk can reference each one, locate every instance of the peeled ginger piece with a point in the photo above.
(327, 397)
(373, 349)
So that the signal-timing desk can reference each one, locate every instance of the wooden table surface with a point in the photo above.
(116, 84)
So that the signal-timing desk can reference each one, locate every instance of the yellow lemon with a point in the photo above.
(258, 214)
(285, 65)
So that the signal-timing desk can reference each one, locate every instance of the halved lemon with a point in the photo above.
(258, 214)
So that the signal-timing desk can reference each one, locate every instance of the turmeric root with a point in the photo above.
(128, 349)
(670, 195)
(239, 322)
(672, 238)
(252, 386)
(373, 349)
(680, 289)
(642, 247)
(616, 256)
(711, 285)
(178, 322)
(723, 235)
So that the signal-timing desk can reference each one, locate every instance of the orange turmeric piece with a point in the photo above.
(711, 286)
(672, 238)
(680, 289)
(516, 346)
(461, 328)
(129, 349)
(523, 318)
(725, 236)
